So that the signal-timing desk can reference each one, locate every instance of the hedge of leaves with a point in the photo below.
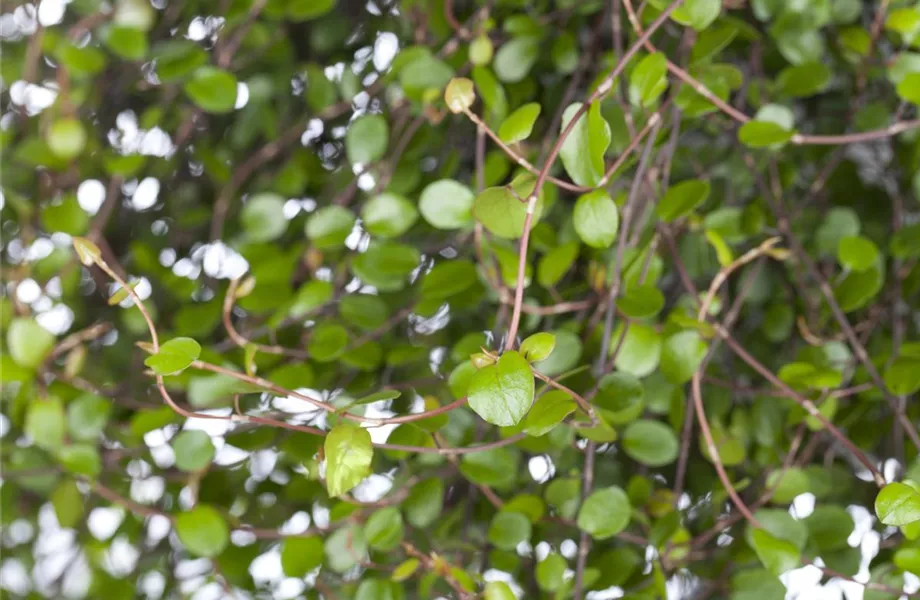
(465, 299)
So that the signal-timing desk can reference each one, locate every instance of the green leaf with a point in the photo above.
(87, 251)
(502, 393)
(698, 14)
(651, 443)
(329, 226)
(556, 263)
(621, 397)
(66, 216)
(345, 548)
(681, 355)
(81, 459)
(596, 219)
(777, 555)
(548, 411)
(300, 555)
(448, 278)
(481, 50)
(640, 302)
(405, 569)
(28, 342)
(45, 423)
(348, 453)
(857, 253)
(87, 416)
(898, 504)
(803, 80)
(174, 356)
(66, 138)
(262, 217)
(386, 265)
(830, 527)
(763, 134)
(498, 590)
(177, 58)
(306, 10)
(909, 88)
(212, 90)
(502, 213)
(550, 572)
(327, 342)
(508, 529)
(519, 124)
(127, 42)
(640, 352)
(447, 204)
(605, 513)
(787, 484)
(902, 377)
(388, 215)
(681, 199)
(582, 152)
(425, 502)
(194, 450)
(424, 73)
(648, 80)
(515, 58)
(384, 529)
(459, 94)
(366, 139)
(203, 531)
(538, 346)
(68, 504)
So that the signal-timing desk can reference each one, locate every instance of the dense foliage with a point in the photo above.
(399, 299)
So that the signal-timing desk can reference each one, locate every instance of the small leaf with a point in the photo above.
(682, 198)
(502, 393)
(28, 342)
(348, 453)
(803, 80)
(327, 342)
(194, 450)
(87, 251)
(698, 14)
(45, 423)
(307, 10)
(519, 124)
(648, 80)
(263, 218)
(550, 572)
(650, 442)
(538, 346)
(481, 50)
(596, 219)
(857, 253)
(384, 529)
(345, 548)
(388, 215)
(763, 134)
(502, 213)
(902, 377)
(447, 204)
(498, 590)
(68, 504)
(300, 555)
(66, 138)
(681, 355)
(203, 531)
(329, 226)
(366, 139)
(640, 302)
(582, 152)
(174, 356)
(459, 95)
(212, 89)
(515, 58)
(777, 555)
(548, 411)
(508, 529)
(898, 504)
(81, 459)
(909, 88)
(556, 263)
(405, 570)
(605, 513)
